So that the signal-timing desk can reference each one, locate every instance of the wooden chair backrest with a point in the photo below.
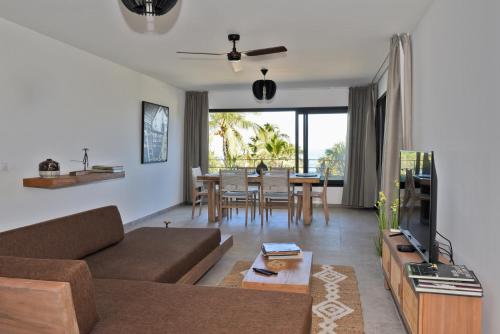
(410, 183)
(325, 179)
(276, 181)
(234, 179)
(195, 172)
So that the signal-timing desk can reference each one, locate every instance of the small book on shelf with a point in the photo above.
(444, 279)
(445, 272)
(447, 289)
(448, 286)
(423, 281)
(107, 169)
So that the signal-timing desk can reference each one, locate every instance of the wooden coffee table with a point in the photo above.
(293, 275)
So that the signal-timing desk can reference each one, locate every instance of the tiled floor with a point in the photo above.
(346, 240)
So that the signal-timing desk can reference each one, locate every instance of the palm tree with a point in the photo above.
(227, 125)
(278, 147)
(258, 142)
(334, 158)
(270, 144)
(214, 162)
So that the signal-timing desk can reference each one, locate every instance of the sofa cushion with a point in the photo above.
(154, 308)
(75, 272)
(154, 254)
(70, 237)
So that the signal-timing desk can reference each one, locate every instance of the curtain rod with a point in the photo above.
(380, 68)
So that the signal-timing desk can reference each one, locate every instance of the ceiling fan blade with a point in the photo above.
(202, 53)
(236, 65)
(267, 51)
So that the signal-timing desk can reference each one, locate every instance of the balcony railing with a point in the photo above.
(337, 167)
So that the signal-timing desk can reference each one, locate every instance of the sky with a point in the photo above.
(324, 130)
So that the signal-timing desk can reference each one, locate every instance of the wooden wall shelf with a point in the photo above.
(64, 181)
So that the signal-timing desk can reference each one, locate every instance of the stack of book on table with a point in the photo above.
(281, 251)
(444, 278)
(107, 169)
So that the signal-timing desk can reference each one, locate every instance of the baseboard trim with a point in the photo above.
(132, 224)
(319, 205)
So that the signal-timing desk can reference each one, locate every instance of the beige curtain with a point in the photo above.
(407, 92)
(398, 117)
(195, 137)
(360, 182)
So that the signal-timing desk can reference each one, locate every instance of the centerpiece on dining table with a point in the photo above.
(261, 168)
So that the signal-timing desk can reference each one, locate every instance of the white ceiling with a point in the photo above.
(330, 42)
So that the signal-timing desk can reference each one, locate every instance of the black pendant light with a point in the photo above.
(264, 89)
(150, 7)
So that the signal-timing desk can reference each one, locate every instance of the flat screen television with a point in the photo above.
(418, 202)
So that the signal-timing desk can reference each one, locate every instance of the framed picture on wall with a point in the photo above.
(154, 133)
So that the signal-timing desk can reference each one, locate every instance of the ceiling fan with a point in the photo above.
(234, 56)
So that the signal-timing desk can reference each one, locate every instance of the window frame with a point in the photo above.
(305, 111)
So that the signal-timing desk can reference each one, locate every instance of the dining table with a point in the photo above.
(305, 180)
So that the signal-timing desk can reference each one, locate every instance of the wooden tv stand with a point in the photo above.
(426, 313)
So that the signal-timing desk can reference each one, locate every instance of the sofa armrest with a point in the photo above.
(74, 272)
(49, 309)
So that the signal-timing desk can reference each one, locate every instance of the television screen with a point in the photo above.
(418, 196)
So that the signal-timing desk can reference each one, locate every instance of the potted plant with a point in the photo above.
(383, 223)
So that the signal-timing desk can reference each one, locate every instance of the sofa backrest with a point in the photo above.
(71, 237)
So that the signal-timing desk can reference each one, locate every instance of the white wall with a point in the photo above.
(56, 99)
(241, 98)
(456, 54)
(284, 98)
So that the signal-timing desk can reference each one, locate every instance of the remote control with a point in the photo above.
(406, 248)
(264, 271)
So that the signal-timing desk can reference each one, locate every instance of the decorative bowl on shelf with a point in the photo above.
(49, 168)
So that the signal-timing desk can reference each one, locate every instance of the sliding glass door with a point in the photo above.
(324, 134)
(307, 139)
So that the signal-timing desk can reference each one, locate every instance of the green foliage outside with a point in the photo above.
(268, 144)
(228, 126)
(334, 158)
(272, 146)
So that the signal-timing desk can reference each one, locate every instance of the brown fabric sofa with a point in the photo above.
(154, 254)
(177, 308)
(97, 236)
(106, 306)
(115, 279)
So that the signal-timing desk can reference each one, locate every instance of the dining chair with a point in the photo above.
(233, 191)
(275, 193)
(254, 190)
(283, 170)
(198, 191)
(322, 195)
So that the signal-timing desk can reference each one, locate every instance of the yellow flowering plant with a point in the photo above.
(382, 221)
(395, 207)
(380, 205)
